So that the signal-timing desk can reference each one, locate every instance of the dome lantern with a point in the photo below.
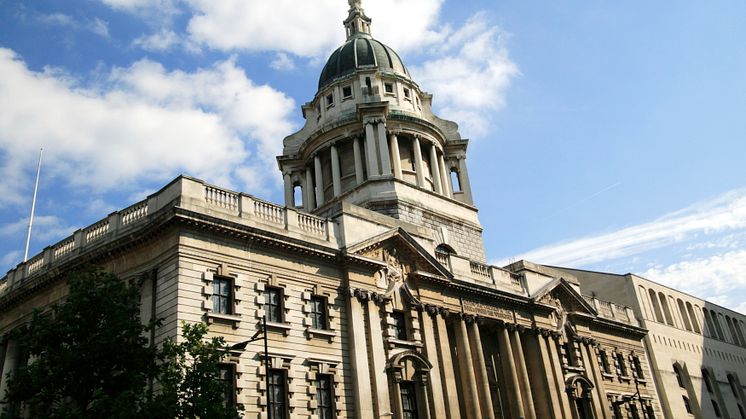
(357, 24)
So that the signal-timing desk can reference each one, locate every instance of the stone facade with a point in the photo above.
(372, 277)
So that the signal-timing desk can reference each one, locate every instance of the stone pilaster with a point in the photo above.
(599, 393)
(464, 177)
(435, 387)
(548, 379)
(383, 148)
(480, 366)
(445, 177)
(511, 375)
(559, 376)
(288, 186)
(359, 353)
(448, 373)
(523, 381)
(370, 151)
(466, 371)
(9, 366)
(378, 358)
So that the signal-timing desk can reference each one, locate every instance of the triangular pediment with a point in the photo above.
(561, 294)
(400, 251)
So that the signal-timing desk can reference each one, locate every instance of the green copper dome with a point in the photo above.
(360, 53)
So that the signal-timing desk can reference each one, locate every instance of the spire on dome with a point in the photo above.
(357, 24)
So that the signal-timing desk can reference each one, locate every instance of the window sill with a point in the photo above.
(320, 333)
(232, 319)
(284, 328)
(641, 381)
(607, 375)
(625, 378)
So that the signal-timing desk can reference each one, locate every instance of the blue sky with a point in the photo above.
(604, 135)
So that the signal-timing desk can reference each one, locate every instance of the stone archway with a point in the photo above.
(579, 390)
(408, 373)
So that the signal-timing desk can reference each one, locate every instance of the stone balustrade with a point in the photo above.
(481, 273)
(186, 193)
(609, 310)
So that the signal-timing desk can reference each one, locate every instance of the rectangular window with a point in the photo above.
(408, 399)
(324, 397)
(318, 313)
(622, 364)
(407, 94)
(329, 100)
(716, 408)
(277, 394)
(605, 364)
(273, 304)
(347, 92)
(638, 368)
(633, 410)
(389, 88)
(400, 325)
(687, 406)
(222, 295)
(226, 377)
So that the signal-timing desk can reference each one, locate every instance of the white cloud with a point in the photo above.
(308, 30)
(11, 258)
(95, 26)
(471, 75)
(282, 62)
(721, 279)
(159, 41)
(148, 8)
(144, 125)
(724, 213)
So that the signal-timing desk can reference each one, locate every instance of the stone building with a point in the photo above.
(372, 276)
(697, 349)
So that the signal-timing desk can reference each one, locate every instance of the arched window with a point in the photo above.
(666, 309)
(706, 379)
(734, 386)
(455, 180)
(684, 315)
(656, 306)
(647, 311)
(718, 327)
(693, 318)
(679, 375)
(687, 405)
(710, 326)
(297, 196)
(732, 329)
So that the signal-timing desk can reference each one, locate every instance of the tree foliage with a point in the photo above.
(88, 358)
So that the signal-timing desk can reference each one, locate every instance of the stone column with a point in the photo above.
(383, 147)
(599, 396)
(511, 375)
(464, 177)
(336, 177)
(435, 387)
(319, 180)
(523, 381)
(448, 374)
(309, 204)
(289, 196)
(9, 366)
(395, 157)
(378, 360)
(559, 377)
(434, 170)
(445, 177)
(466, 371)
(551, 382)
(418, 166)
(358, 161)
(370, 151)
(480, 366)
(359, 353)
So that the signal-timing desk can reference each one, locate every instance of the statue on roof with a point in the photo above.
(355, 4)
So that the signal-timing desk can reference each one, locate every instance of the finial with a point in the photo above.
(357, 24)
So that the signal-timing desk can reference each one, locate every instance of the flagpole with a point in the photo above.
(33, 206)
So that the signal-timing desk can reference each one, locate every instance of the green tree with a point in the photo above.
(88, 357)
(190, 382)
